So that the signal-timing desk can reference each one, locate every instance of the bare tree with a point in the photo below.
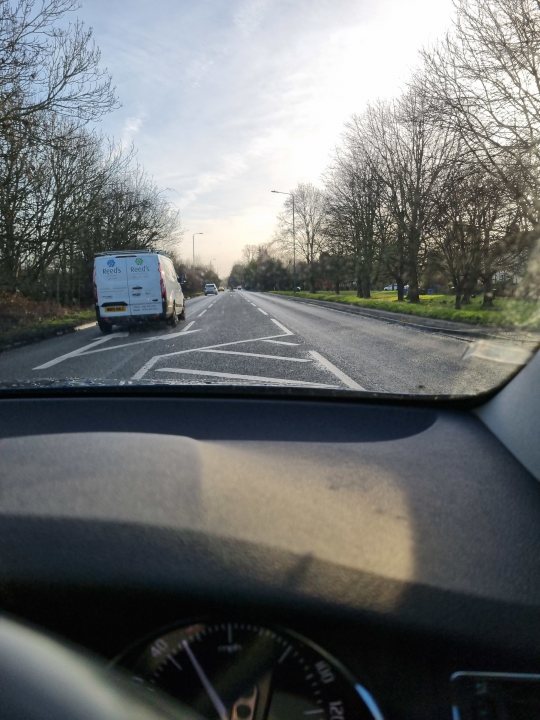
(411, 153)
(483, 81)
(48, 64)
(355, 194)
(310, 214)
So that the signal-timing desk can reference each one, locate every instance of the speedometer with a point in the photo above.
(244, 671)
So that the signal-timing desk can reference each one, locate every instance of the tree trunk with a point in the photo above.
(400, 290)
(358, 280)
(487, 302)
(413, 295)
(366, 286)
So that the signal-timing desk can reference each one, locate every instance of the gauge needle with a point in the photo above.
(212, 694)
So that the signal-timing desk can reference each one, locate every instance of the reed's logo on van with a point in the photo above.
(111, 270)
(140, 267)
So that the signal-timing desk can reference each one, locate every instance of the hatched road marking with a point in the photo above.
(349, 382)
(85, 351)
(148, 365)
(259, 355)
(258, 378)
(285, 330)
(281, 342)
(80, 351)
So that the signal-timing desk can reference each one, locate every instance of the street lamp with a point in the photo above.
(280, 192)
(199, 233)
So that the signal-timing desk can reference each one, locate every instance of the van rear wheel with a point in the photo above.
(182, 315)
(173, 320)
(105, 327)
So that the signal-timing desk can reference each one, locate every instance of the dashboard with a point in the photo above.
(295, 556)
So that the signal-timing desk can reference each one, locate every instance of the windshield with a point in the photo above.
(322, 195)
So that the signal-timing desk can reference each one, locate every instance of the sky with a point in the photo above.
(226, 100)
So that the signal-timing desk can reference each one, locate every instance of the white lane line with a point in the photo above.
(349, 382)
(282, 327)
(261, 311)
(141, 372)
(258, 378)
(281, 342)
(155, 338)
(80, 351)
(202, 313)
(144, 369)
(259, 355)
(188, 326)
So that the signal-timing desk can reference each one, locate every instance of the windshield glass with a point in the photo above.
(323, 195)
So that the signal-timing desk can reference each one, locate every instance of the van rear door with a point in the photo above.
(143, 279)
(112, 286)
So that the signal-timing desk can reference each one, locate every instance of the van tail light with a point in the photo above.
(162, 284)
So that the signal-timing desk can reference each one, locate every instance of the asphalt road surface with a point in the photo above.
(252, 338)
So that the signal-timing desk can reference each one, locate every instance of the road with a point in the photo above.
(245, 338)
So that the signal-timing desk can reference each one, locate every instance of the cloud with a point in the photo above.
(229, 167)
(249, 15)
(130, 129)
(197, 69)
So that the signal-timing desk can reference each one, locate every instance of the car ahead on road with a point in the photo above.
(221, 288)
(136, 286)
(210, 289)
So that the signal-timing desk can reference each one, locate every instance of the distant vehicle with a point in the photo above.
(221, 288)
(210, 289)
(394, 286)
(239, 287)
(135, 286)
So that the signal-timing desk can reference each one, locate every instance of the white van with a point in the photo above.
(136, 286)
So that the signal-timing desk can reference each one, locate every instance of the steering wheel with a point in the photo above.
(41, 679)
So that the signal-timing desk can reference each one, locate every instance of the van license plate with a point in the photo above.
(120, 308)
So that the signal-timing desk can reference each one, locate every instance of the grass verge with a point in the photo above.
(506, 313)
(23, 320)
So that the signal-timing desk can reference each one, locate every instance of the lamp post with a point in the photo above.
(281, 192)
(199, 233)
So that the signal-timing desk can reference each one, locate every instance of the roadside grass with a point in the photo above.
(507, 312)
(23, 320)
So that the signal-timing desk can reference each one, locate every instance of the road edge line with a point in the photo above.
(349, 382)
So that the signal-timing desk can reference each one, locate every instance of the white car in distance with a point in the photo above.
(210, 289)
